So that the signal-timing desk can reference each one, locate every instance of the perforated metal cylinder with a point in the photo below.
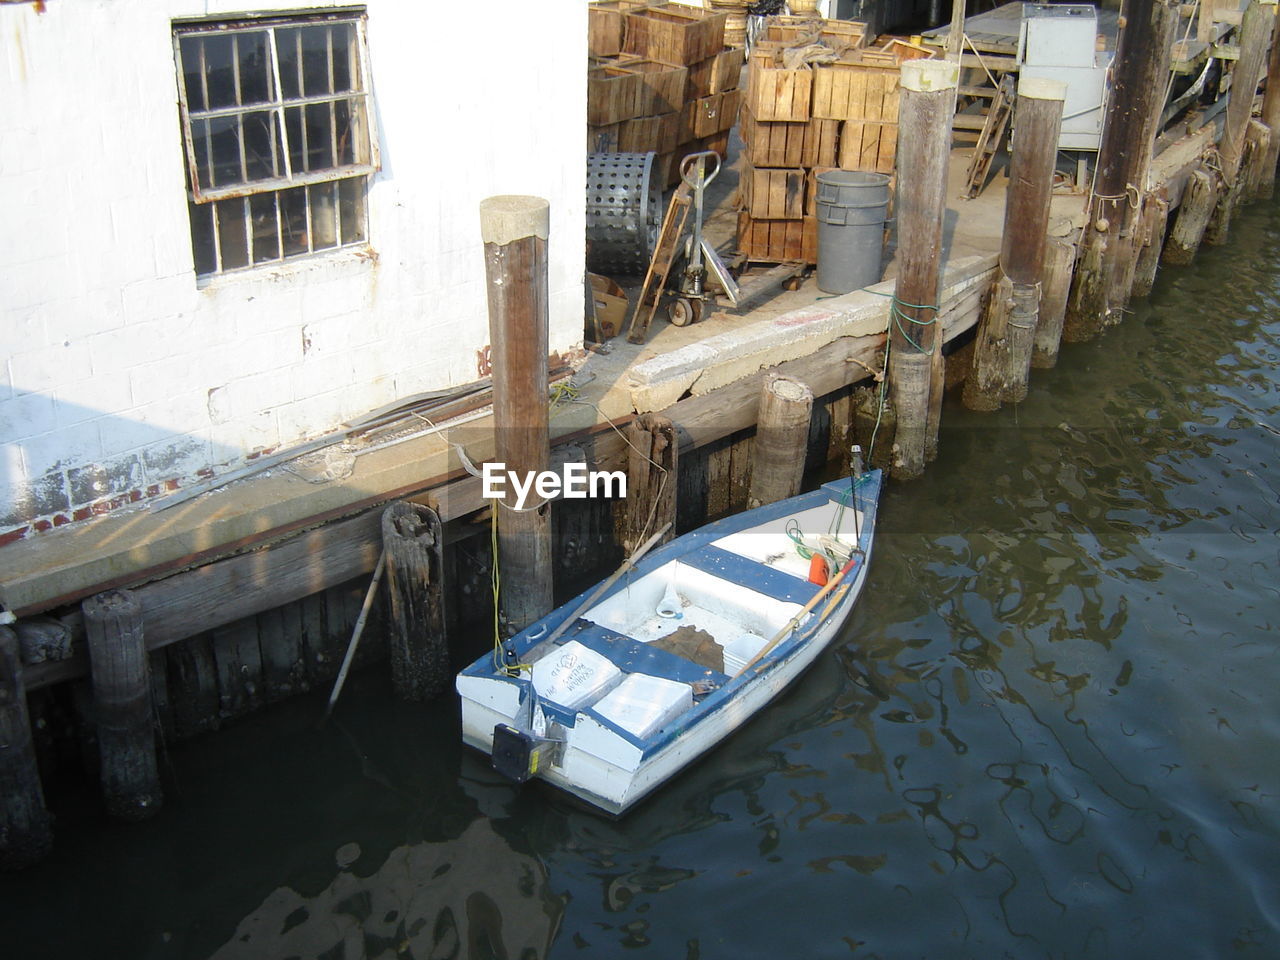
(624, 212)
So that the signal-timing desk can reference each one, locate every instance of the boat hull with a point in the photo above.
(610, 767)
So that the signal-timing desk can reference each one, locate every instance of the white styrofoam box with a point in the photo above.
(739, 651)
(642, 705)
(573, 676)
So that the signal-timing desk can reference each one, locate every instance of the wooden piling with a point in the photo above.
(26, 829)
(1002, 351)
(514, 230)
(1199, 197)
(413, 538)
(925, 114)
(1155, 220)
(122, 699)
(1271, 117)
(1257, 146)
(1055, 284)
(782, 439)
(1252, 37)
(652, 478)
(1140, 74)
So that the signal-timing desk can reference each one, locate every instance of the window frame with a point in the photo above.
(277, 105)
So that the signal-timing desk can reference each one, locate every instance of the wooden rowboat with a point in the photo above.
(611, 695)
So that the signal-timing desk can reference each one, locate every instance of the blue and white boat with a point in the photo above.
(611, 695)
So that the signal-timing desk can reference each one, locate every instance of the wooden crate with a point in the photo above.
(774, 93)
(868, 145)
(603, 138)
(773, 194)
(642, 134)
(665, 85)
(710, 115)
(855, 91)
(718, 142)
(674, 33)
(837, 34)
(788, 144)
(615, 93)
(778, 241)
(604, 29)
(716, 74)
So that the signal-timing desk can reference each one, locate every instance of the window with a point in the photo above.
(277, 123)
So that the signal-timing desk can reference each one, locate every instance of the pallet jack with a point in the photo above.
(691, 294)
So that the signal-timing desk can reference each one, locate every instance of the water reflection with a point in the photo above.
(469, 897)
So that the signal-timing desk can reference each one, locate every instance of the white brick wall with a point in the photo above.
(117, 368)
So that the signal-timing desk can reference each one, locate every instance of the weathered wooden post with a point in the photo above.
(1140, 75)
(1155, 218)
(652, 460)
(514, 230)
(925, 113)
(26, 829)
(1198, 199)
(122, 701)
(1002, 352)
(1253, 36)
(782, 436)
(413, 539)
(1271, 117)
(1055, 284)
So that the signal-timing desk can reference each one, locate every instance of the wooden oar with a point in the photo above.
(794, 621)
(627, 564)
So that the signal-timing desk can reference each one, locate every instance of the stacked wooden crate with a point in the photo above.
(801, 118)
(661, 79)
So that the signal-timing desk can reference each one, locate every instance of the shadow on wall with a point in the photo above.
(61, 462)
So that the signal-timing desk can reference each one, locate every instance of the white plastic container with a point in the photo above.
(574, 676)
(642, 705)
(739, 651)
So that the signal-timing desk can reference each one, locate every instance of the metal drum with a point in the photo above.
(624, 213)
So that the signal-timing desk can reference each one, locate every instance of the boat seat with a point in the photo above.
(632, 656)
(735, 568)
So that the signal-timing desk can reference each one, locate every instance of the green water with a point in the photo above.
(1050, 730)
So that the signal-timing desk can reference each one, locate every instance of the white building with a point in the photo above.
(230, 225)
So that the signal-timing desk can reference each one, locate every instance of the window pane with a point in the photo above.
(202, 250)
(223, 149)
(219, 72)
(324, 215)
(287, 41)
(315, 61)
(255, 68)
(345, 69)
(319, 136)
(351, 207)
(266, 238)
(231, 237)
(344, 132)
(191, 73)
(297, 138)
(262, 147)
(293, 220)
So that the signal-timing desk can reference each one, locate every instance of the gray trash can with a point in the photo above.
(851, 218)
